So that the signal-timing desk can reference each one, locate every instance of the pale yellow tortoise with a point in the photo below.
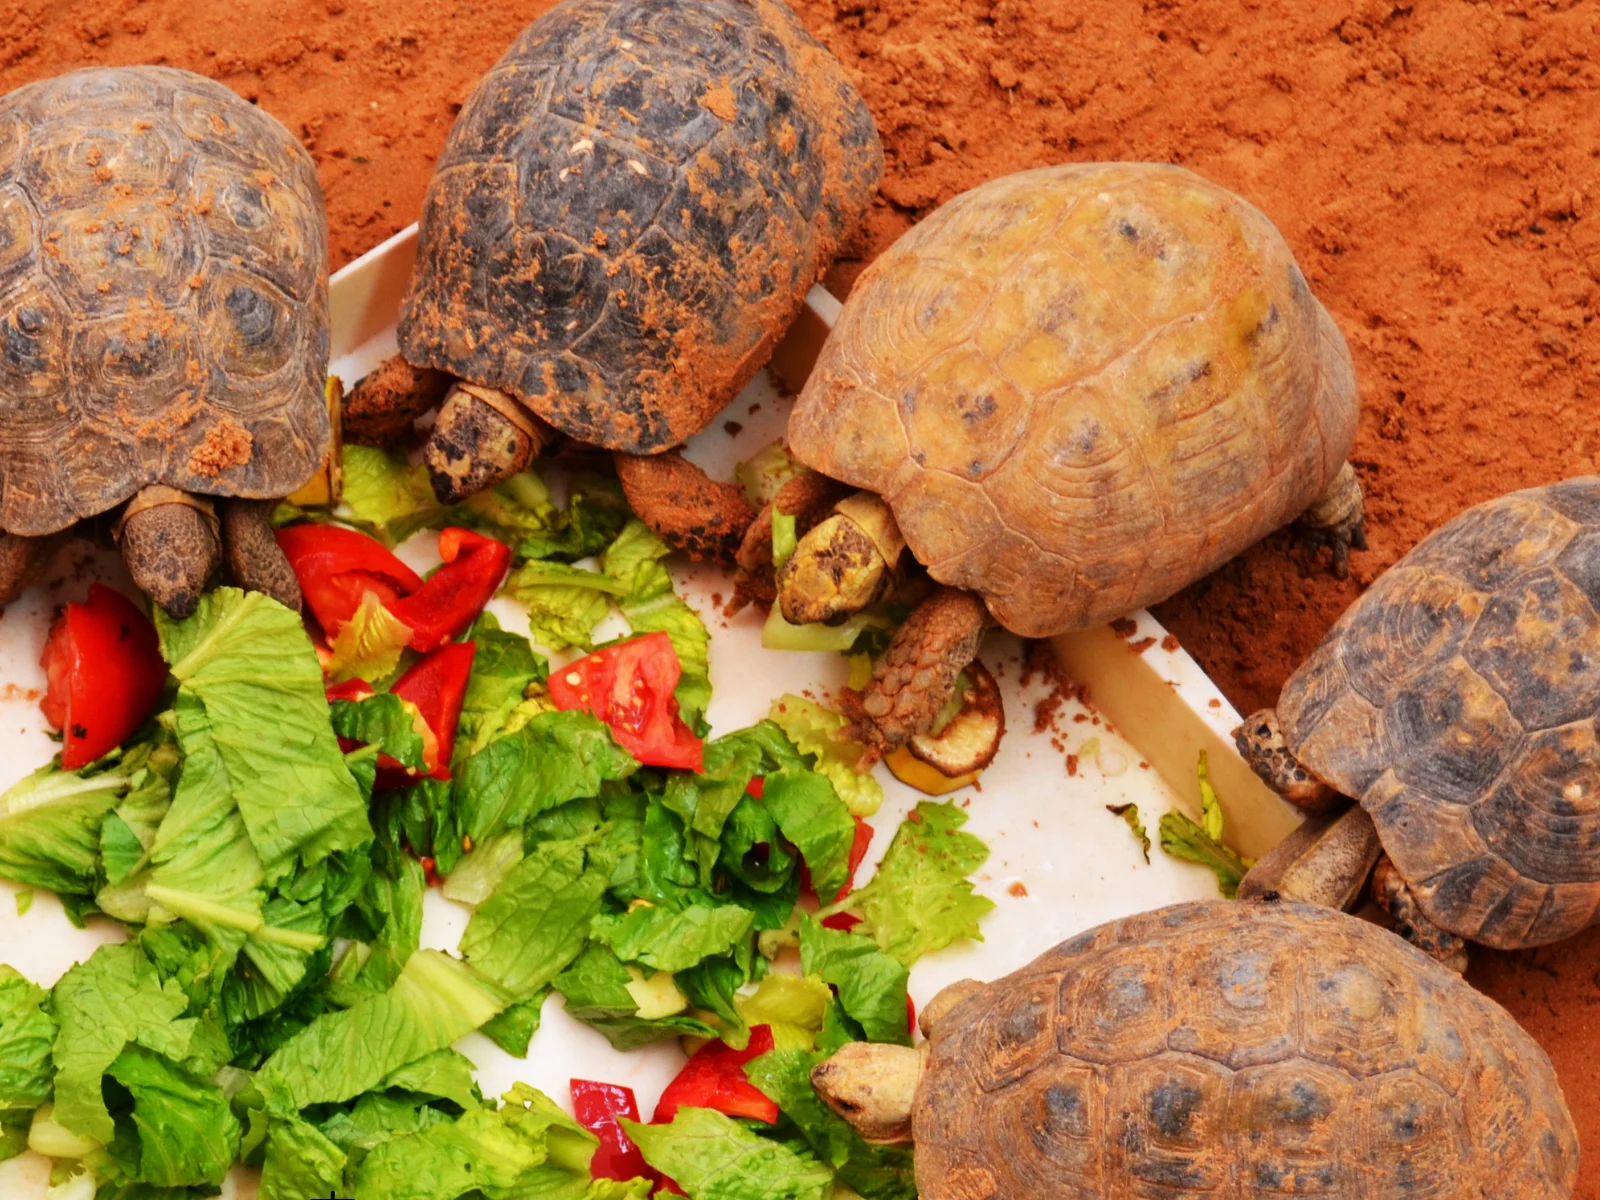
(1070, 392)
(1220, 1050)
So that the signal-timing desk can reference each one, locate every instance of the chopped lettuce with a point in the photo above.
(435, 1001)
(920, 899)
(243, 655)
(764, 473)
(368, 646)
(564, 603)
(27, 1036)
(1130, 814)
(713, 1157)
(814, 729)
(383, 720)
(793, 1006)
(596, 988)
(50, 827)
(1202, 843)
(301, 1163)
(554, 758)
(388, 497)
(670, 940)
(538, 919)
(502, 668)
(811, 815)
(188, 1135)
(481, 872)
(103, 1006)
(651, 606)
(871, 983)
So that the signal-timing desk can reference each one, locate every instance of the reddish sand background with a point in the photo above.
(1435, 165)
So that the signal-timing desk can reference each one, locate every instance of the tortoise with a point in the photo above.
(1456, 701)
(1071, 392)
(163, 326)
(625, 217)
(1218, 1049)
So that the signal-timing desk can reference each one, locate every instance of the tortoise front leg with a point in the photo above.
(170, 541)
(482, 437)
(1392, 894)
(691, 511)
(22, 561)
(1260, 742)
(1338, 518)
(917, 673)
(255, 561)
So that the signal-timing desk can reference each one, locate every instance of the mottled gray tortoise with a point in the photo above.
(1456, 701)
(1222, 1050)
(163, 326)
(625, 218)
(1070, 392)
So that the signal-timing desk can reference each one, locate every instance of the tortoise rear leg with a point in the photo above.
(1261, 744)
(917, 673)
(483, 436)
(1392, 894)
(255, 562)
(170, 541)
(22, 561)
(1338, 519)
(691, 511)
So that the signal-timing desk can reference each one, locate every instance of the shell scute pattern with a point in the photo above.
(629, 209)
(1067, 448)
(1476, 658)
(1375, 1072)
(163, 256)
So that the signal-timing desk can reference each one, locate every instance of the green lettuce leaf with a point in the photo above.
(245, 656)
(673, 941)
(503, 667)
(1130, 816)
(920, 899)
(794, 1007)
(385, 721)
(369, 645)
(873, 1172)
(713, 1157)
(595, 989)
(188, 1136)
(50, 827)
(103, 1006)
(442, 1075)
(513, 1029)
(128, 833)
(537, 921)
(1182, 838)
(811, 727)
(705, 799)
(435, 1002)
(554, 758)
(811, 815)
(479, 873)
(387, 496)
(301, 1163)
(871, 983)
(27, 1036)
(564, 603)
(651, 606)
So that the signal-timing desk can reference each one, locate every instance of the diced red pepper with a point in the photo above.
(597, 1106)
(350, 689)
(336, 566)
(714, 1078)
(105, 672)
(453, 596)
(629, 687)
(843, 922)
(437, 685)
(757, 787)
(430, 871)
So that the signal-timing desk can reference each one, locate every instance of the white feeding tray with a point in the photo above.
(1059, 861)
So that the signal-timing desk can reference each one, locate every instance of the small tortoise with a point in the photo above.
(626, 216)
(1221, 1050)
(163, 326)
(1456, 701)
(1076, 390)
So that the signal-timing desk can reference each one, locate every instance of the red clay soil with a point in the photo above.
(1436, 167)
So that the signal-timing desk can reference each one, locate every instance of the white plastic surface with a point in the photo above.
(1060, 863)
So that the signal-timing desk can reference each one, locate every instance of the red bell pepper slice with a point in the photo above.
(911, 1013)
(714, 1078)
(105, 672)
(858, 853)
(629, 687)
(453, 596)
(843, 922)
(597, 1106)
(335, 566)
(437, 685)
(757, 787)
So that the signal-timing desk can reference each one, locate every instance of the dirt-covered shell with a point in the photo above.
(1457, 700)
(163, 296)
(1238, 1050)
(1081, 388)
(630, 209)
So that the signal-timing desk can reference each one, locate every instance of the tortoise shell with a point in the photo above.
(1456, 699)
(1230, 1050)
(1081, 388)
(630, 209)
(163, 296)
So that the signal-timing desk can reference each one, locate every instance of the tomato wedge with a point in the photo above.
(629, 687)
(105, 672)
(335, 566)
(454, 595)
(714, 1078)
(597, 1106)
